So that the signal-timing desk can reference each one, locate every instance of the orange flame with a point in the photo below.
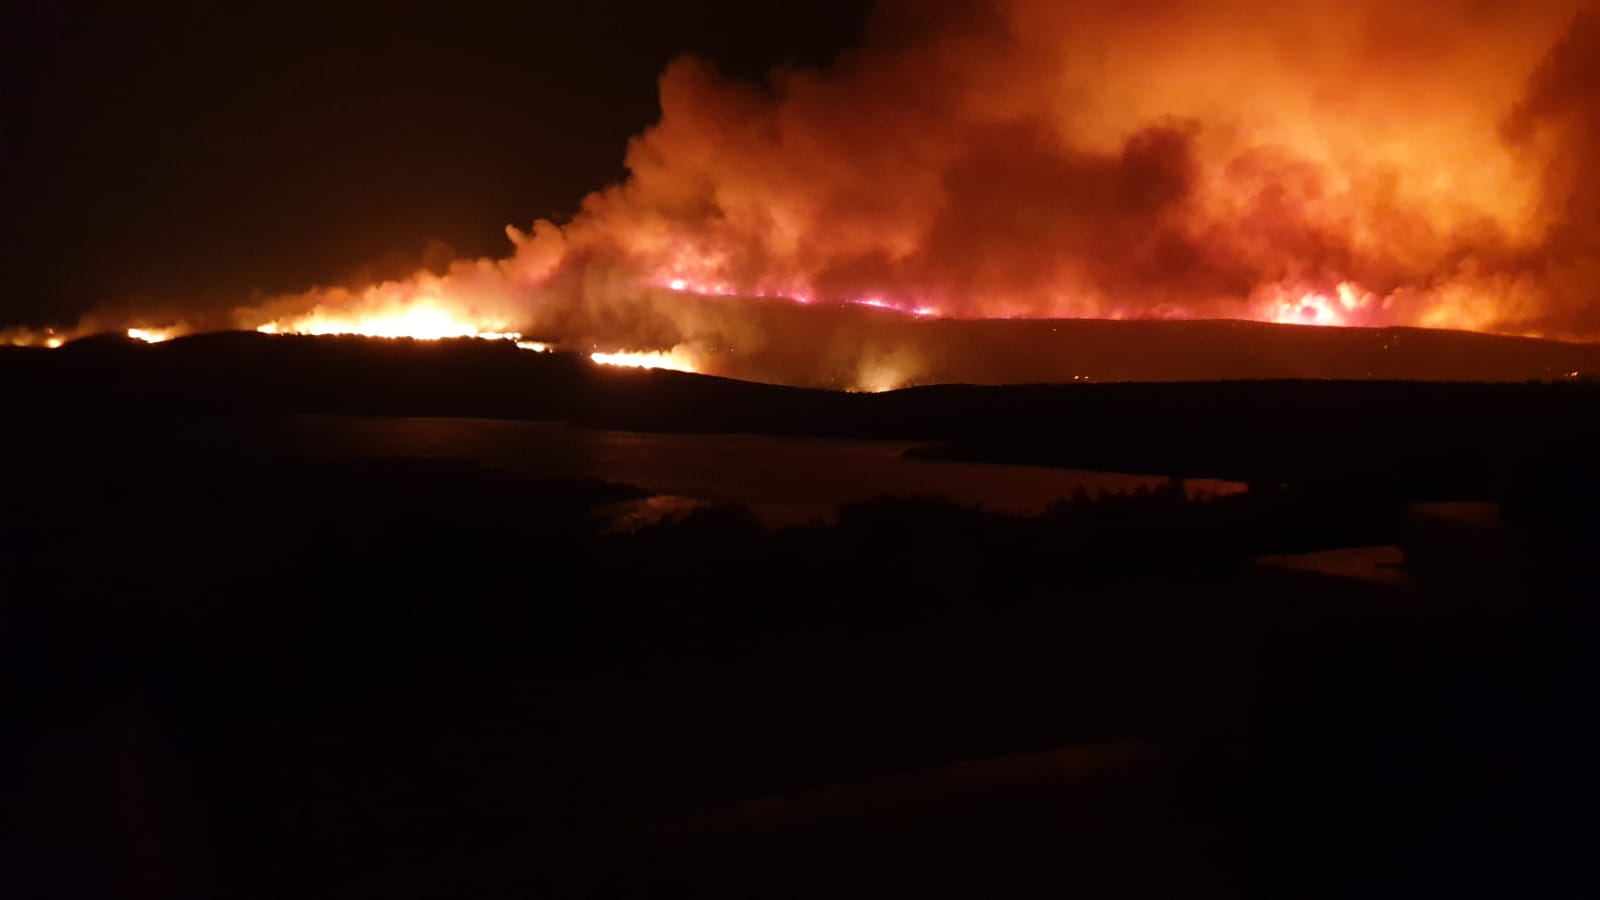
(1317, 308)
(423, 322)
(147, 335)
(677, 360)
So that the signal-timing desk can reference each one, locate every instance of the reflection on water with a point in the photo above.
(1381, 565)
(783, 480)
(631, 516)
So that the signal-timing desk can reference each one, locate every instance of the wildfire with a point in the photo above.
(677, 360)
(423, 322)
(1414, 165)
(27, 337)
(922, 312)
(885, 371)
(794, 293)
(147, 335)
(1315, 308)
(878, 381)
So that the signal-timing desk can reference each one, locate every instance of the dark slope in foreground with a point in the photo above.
(420, 679)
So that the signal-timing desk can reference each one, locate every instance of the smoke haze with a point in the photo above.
(1332, 163)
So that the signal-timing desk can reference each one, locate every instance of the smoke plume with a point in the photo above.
(1336, 162)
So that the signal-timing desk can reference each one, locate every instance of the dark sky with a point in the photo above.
(201, 151)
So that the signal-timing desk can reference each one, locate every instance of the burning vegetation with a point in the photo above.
(1326, 163)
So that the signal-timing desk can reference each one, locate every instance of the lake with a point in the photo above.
(783, 480)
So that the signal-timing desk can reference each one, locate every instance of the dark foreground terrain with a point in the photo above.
(366, 678)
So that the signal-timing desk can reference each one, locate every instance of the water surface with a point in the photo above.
(783, 480)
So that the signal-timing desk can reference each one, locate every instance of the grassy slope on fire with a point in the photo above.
(859, 345)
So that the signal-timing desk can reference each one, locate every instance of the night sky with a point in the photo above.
(205, 153)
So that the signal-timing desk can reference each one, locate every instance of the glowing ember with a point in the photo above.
(675, 359)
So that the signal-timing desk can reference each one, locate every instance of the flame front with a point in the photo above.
(676, 360)
(151, 335)
(428, 319)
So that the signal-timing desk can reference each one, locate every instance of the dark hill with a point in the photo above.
(1436, 438)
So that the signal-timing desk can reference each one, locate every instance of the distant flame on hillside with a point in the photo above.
(676, 359)
(151, 335)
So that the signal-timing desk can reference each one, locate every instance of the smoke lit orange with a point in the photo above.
(1325, 163)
